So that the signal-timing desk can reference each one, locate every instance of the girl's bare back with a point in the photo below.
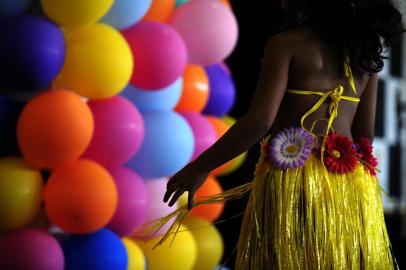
(313, 67)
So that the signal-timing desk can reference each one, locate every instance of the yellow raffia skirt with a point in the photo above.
(300, 219)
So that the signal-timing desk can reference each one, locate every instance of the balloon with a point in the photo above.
(160, 10)
(209, 29)
(203, 132)
(54, 127)
(132, 201)
(221, 128)
(221, 267)
(125, 13)
(209, 243)
(136, 258)
(160, 54)
(32, 52)
(30, 249)
(167, 147)
(179, 255)
(98, 62)
(118, 131)
(80, 197)
(222, 91)
(74, 13)
(11, 8)
(226, 2)
(210, 212)
(181, 2)
(237, 161)
(160, 100)
(102, 250)
(156, 208)
(20, 194)
(195, 94)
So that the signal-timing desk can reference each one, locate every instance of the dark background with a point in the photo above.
(258, 21)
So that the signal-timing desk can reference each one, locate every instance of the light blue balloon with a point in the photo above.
(165, 99)
(219, 267)
(180, 2)
(11, 8)
(125, 13)
(167, 147)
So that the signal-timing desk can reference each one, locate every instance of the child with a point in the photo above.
(315, 201)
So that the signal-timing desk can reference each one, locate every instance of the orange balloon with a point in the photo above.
(221, 127)
(209, 212)
(80, 197)
(160, 10)
(54, 127)
(227, 3)
(195, 93)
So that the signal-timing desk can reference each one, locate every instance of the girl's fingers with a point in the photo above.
(176, 196)
(190, 200)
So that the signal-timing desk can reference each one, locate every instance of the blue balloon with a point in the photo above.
(220, 267)
(222, 91)
(168, 145)
(102, 250)
(32, 52)
(164, 99)
(125, 13)
(181, 2)
(11, 8)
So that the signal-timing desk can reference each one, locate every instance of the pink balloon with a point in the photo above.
(156, 207)
(30, 249)
(132, 201)
(203, 131)
(160, 54)
(209, 29)
(118, 131)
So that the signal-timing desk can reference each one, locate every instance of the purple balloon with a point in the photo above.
(32, 52)
(118, 131)
(203, 131)
(30, 249)
(132, 201)
(222, 91)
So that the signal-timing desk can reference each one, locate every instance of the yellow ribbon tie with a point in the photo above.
(335, 96)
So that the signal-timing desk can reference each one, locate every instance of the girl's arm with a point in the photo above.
(248, 130)
(364, 120)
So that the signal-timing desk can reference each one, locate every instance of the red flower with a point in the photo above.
(365, 153)
(339, 154)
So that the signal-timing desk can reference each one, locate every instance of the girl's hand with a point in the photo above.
(190, 178)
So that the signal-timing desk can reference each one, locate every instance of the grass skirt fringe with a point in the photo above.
(299, 219)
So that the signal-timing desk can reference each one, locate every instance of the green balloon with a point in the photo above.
(181, 2)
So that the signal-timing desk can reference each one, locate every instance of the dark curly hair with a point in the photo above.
(362, 29)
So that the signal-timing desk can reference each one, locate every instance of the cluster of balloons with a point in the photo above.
(122, 94)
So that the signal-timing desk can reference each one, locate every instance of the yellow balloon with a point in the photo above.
(237, 161)
(181, 255)
(20, 194)
(209, 242)
(98, 62)
(136, 258)
(74, 13)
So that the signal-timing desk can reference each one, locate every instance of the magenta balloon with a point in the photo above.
(132, 201)
(209, 29)
(156, 207)
(30, 249)
(203, 131)
(118, 131)
(160, 54)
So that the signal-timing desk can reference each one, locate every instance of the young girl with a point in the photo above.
(315, 200)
